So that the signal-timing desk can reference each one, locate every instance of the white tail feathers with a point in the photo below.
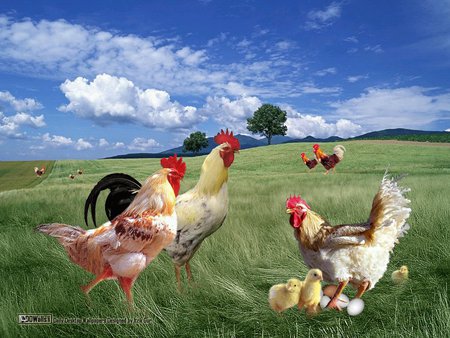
(339, 151)
(396, 210)
(63, 232)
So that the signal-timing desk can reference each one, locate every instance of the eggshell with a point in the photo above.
(343, 301)
(355, 307)
(324, 301)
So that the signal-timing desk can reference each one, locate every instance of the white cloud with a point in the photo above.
(103, 143)
(118, 145)
(10, 125)
(326, 71)
(376, 49)
(356, 78)
(26, 104)
(318, 19)
(302, 125)
(408, 107)
(56, 140)
(143, 144)
(351, 39)
(229, 113)
(82, 144)
(109, 99)
(447, 130)
(312, 89)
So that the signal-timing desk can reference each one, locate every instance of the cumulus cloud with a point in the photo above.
(26, 104)
(231, 113)
(82, 144)
(302, 125)
(319, 19)
(10, 125)
(408, 107)
(109, 99)
(103, 143)
(142, 144)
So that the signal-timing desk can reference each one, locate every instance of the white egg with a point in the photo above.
(355, 307)
(324, 301)
(343, 301)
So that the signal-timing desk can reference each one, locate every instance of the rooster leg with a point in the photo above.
(334, 170)
(178, 276)
(333, 302)
(326, 173)
(188, 272)
(362, 288)
(126, 284)
(104, 275)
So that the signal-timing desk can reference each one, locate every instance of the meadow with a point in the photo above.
(234, 268)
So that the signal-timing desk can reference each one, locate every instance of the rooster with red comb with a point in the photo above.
(200, 211)
(122, 248)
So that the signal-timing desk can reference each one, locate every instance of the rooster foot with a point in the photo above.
(333, 304)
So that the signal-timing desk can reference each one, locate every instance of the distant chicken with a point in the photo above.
(200, 211)
(122, 248)
(39, 172)
(80, 171)
(311, 164)
(329, 162)
(71, 176)
(400, 276)
(358, 253)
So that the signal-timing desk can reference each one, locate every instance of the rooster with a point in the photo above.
(311, 164)
(122, 248)
(200, 211)
(39, 172)
(329, 162)
(358, 253)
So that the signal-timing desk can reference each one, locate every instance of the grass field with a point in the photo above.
(253, 250)
(17, 175)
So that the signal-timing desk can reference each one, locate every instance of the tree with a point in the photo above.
(195, 142)
(268, 120)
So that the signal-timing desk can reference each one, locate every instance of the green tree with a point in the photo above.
(268, 120)
(195, 142)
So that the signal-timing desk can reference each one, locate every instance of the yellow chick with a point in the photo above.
(400, 276)
(310, 294)
(285, 296)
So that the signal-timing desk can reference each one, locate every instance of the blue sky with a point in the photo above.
(89, 79)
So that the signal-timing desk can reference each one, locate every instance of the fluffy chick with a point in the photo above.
(400, 276)
(310, 294)
(285, 296)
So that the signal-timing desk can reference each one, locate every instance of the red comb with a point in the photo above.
(302, 155)
(292, 202)
(173, 163)
(227, 137)
(316, 146)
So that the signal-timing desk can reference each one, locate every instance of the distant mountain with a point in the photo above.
(312, 139)
(250, 142)
(396, 132)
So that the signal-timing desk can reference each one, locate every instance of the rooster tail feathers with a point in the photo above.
(339, 151)
(390, 207)
(63, 232)
(122, 188)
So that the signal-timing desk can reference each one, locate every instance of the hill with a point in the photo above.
(246, 142)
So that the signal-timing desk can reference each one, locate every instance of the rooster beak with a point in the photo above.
(237, 151)
(289, 211)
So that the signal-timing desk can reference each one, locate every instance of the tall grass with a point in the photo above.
(235, 267)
